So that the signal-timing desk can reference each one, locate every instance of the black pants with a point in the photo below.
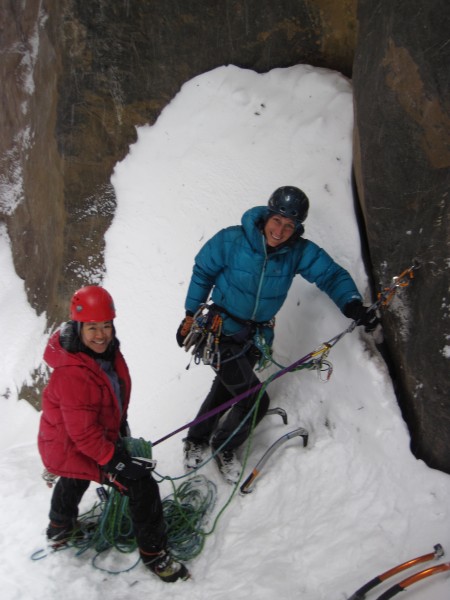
(234, 377)
(144, 504)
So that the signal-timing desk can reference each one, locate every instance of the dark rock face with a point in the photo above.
(78, 77)
(31, 180)
(101, 69)
(123, 62)
(402, 165)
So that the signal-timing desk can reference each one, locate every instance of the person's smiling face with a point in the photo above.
(278, 230)
(97, 336)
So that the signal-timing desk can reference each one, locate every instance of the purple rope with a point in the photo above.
(294, 365)
(236, 399)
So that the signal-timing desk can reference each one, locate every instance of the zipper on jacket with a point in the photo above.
(263, 272)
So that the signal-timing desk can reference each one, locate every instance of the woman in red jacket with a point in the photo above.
(84, 417)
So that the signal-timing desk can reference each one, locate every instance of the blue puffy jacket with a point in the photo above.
(252, 284)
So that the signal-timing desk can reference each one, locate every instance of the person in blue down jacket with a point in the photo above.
(248, 270)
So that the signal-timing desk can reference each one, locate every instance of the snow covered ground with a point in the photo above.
(321, 520)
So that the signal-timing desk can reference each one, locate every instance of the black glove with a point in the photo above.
(184, 328)
(125, 430)
(363, 315)
(130, 467)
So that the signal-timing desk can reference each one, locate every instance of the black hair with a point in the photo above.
(70, 340)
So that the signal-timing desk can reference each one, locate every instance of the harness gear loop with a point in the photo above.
(204, 336)
(211, 352)
(301, 363)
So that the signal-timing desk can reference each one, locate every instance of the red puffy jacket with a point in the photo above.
(81, 417)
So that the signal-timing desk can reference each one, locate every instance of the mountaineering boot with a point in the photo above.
(193, 454)
(61, 533)
(164, 566)
(229, 466)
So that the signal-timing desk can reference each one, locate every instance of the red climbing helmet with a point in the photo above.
(92, 303)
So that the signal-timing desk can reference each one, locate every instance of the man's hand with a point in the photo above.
(184, 329)
(362, 315)
(130, 467)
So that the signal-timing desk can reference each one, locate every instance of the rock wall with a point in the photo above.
(31, 175)
(98, 70)
(402, 165)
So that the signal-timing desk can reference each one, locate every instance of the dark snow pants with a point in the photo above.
(144, 504)
(235, 376)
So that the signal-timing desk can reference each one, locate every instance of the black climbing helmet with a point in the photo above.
(290, 202)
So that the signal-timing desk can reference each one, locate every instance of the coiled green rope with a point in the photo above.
(184, 511)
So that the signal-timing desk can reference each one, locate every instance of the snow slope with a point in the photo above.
(321, 520)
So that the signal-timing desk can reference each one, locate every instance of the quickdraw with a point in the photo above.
(399, 281)
(315, 357)
(211, 352)
(204, 337)
(318, 358)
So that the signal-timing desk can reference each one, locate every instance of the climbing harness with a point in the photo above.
(311, 360)
(205, 335)
(317, 359)
(438, 553)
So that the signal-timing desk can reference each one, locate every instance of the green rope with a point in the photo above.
(186, 511)
(319, 364)
(108, 523)
(252, 413)
(266, 358)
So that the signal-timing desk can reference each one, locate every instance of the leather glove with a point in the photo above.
(363, 315)
(130, 467)
(184, 328)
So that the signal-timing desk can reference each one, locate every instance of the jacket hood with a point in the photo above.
(66, 344)
(56, 356)
(253, 221)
